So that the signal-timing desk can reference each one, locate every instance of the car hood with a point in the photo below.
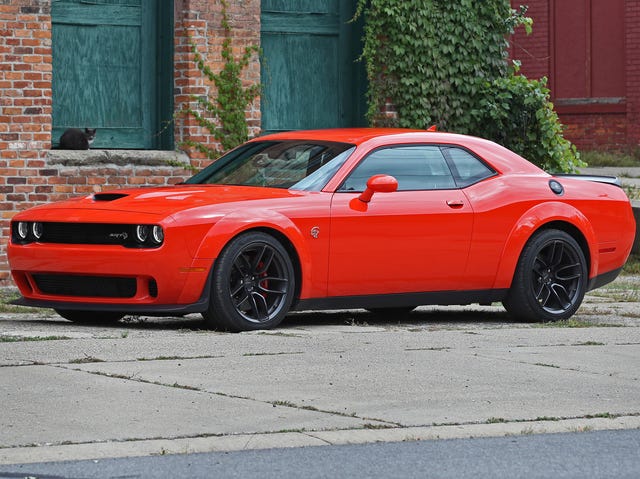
(168, 200)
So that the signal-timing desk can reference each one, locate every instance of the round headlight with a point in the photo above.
(37, 229)
(23, 230)
(157, 234)
(142, 233)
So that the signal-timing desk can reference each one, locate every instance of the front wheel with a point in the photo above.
(550, 279)
(253, 284)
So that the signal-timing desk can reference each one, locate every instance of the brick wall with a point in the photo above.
(533, 50)
(31, 174)
(595, 127)
(596, 131)
(25, 110)
(201, 21)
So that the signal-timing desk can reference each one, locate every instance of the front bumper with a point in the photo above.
(165, 280)
(145, 309)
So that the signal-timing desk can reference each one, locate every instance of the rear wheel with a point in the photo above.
(90, 317)
(550, 279)
(253, 284)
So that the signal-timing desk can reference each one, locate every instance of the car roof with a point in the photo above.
(355, 136)
(501, 158)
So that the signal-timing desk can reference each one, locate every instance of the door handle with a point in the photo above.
(455, 203)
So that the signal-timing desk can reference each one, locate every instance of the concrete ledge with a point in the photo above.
(117, 157)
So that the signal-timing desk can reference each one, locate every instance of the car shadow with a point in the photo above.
(419, 318)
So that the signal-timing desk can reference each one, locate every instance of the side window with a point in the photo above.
(415, 168)
(468, 168)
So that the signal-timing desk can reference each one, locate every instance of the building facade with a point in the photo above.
(126, 68)
(590, 52)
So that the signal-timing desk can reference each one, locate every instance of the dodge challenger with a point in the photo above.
(382, 219)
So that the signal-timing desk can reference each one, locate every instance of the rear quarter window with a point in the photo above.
(468, 169)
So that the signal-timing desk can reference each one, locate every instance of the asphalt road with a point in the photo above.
(586, 455)
(158, 387)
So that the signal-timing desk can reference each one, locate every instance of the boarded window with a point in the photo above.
(310, 75)
(107, 56)
(588, 49)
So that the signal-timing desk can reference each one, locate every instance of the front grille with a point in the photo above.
(88, 233)
(26, 232)
(86, 286)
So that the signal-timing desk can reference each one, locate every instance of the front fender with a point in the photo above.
(234, 224)
(531, 221)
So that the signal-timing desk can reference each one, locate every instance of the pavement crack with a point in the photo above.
(316, 433)
(176, 437)
(541, 364)
(274, 403)
(87, 359)
(318, 438)
(284, 353)
(501, 420)
(327, 411)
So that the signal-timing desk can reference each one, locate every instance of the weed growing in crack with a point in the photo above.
(496, 420)
(284, 353)
(547, 365)
(574, 323)
(17, 339)
(547, 418)
(86, 359)
(377, 426)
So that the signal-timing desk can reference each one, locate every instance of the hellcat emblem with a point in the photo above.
(315, 232)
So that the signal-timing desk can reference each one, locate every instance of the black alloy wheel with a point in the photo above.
(253, 284)
(550, 279)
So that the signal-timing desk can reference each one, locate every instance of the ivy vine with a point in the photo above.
(446, 63)
(223, 114)
(517, 113)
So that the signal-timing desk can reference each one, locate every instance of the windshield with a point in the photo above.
(298, 165)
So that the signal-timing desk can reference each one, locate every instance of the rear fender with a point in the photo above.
(239, 222)
(535, 219)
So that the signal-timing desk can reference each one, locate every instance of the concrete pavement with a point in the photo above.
(152, 386)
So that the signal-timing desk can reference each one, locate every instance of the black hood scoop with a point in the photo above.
(108, 196)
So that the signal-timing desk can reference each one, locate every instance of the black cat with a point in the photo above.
(76, 139)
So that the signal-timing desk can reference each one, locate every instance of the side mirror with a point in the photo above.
(378, 184)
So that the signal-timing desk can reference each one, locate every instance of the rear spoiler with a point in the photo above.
(609, 180)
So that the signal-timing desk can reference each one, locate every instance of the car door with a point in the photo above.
(415, 239)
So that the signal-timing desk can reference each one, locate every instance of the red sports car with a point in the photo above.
(346, 218)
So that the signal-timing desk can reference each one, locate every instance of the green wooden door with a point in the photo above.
(105, 70)
(310, 76)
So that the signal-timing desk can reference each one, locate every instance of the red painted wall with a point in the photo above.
(590, 52)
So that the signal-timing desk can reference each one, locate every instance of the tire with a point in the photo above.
(90, 317)
(253, 284)
(550, 279)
